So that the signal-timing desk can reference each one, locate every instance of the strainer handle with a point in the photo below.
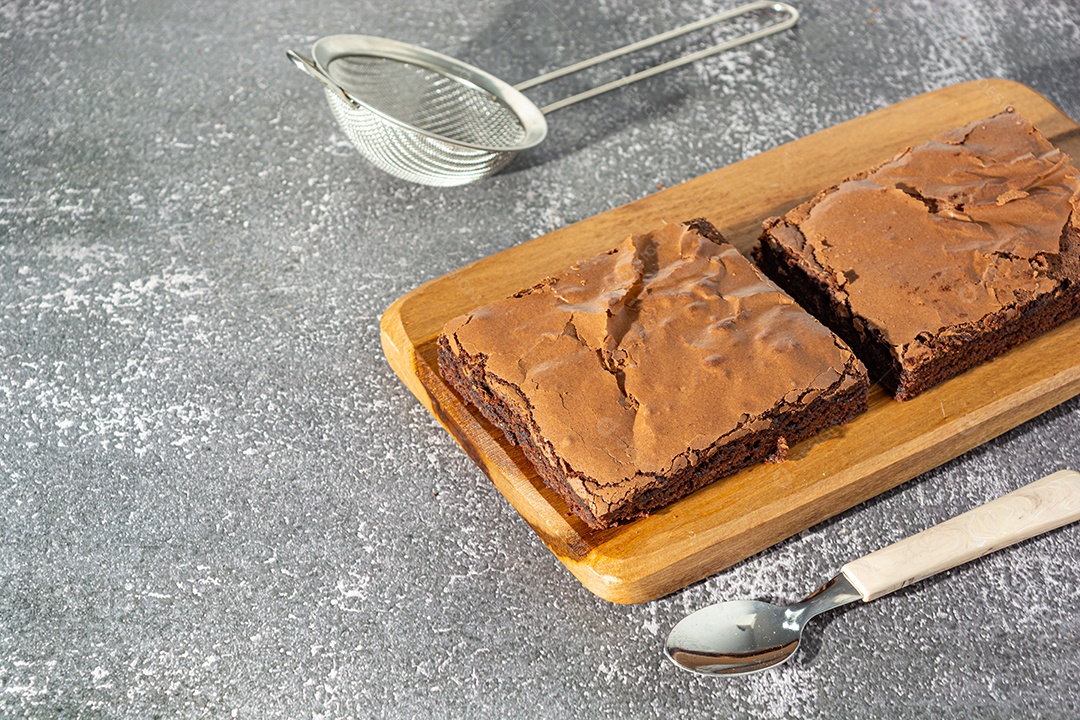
(791, 17)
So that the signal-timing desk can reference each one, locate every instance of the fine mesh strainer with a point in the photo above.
(431, 119)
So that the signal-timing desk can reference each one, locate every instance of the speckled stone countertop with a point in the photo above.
(217, 500)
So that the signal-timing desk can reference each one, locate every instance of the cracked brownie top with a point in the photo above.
(965, 226)
(634, 363)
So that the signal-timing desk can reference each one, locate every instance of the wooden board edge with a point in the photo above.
(992, 85)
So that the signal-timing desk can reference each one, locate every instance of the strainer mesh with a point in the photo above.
(432, 101)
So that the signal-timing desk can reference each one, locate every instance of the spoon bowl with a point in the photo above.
(745, 636)
(741, 636)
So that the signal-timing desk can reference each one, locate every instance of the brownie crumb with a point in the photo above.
(780, 455)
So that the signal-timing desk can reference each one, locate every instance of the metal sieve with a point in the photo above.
(434, 120)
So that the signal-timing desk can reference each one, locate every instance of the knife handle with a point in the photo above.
(1032, 510)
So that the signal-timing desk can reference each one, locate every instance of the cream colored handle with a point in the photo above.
(1040, 507)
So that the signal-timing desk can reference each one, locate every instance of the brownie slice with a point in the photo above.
(943, 257)
(636, 377)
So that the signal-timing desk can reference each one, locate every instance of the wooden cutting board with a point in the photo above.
(748, 512)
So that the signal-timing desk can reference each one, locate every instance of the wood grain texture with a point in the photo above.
(745, 513)
(1032, 510)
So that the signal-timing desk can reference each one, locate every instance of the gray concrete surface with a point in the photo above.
(216, 500)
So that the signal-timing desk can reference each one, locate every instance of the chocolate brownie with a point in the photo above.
(636, 377)
(942, 258)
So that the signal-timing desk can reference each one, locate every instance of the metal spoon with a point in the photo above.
(745, 636)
